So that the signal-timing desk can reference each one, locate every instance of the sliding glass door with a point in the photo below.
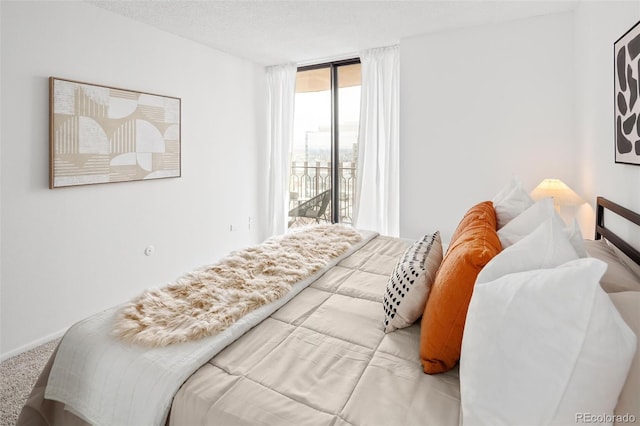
(323, 174)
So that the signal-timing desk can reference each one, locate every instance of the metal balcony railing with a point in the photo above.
(308, 179)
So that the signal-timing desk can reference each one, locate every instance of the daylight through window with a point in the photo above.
(325, 146)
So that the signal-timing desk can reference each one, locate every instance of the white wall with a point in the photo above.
(598, 26)
(478, 105)
(68, 253)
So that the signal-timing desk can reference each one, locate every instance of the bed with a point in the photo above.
(345, 351)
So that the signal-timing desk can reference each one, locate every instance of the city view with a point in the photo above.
(310, 172)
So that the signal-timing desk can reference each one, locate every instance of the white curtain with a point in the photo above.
(377, 203)
(281, 85)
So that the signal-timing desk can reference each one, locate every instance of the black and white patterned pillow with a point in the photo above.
(410, 282)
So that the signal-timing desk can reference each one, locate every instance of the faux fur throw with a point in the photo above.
(208, 300)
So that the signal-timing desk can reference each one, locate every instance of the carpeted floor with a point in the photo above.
(17, 376)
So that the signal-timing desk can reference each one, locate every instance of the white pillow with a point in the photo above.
(511, 201)
(526, 222)
(627, 302)
(576, 238)
(546, 247)
(542, 346)
(530, 219)
(410, 282)
(635, 268)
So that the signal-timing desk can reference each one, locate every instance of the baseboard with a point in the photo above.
(32, 345)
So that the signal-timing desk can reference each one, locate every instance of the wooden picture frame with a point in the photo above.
(103, 134)
(627, 97)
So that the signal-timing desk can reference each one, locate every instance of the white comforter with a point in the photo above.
(107, 382)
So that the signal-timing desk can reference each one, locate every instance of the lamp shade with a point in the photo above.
(555, 188)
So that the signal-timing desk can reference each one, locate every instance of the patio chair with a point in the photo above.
(314, 208)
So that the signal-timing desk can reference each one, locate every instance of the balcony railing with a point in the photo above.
(308, 179)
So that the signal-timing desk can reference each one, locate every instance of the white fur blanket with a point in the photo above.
(207, 301)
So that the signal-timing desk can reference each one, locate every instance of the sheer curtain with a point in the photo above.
(281, 85)
(377, 203)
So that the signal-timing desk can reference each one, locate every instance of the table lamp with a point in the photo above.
(562, 195)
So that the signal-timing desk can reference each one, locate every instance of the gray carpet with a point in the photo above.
(17, 376)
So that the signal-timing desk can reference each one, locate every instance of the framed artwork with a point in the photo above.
(627, 97)
(101, 134)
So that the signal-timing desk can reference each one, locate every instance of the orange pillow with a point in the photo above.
(474, 243)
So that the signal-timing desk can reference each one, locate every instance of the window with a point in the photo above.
(325, 143)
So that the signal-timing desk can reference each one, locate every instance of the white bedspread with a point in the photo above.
(107, 382)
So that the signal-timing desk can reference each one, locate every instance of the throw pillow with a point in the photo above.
(474, 244)
(410, 282)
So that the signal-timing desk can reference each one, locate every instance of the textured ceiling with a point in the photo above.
(275, 32)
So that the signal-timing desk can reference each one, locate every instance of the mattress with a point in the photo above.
(324, 358)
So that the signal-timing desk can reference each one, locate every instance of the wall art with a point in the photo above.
(627, 97)
(101, 134)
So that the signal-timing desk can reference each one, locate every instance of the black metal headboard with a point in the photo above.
(603, 231)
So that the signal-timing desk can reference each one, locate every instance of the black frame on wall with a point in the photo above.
(627, 97)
